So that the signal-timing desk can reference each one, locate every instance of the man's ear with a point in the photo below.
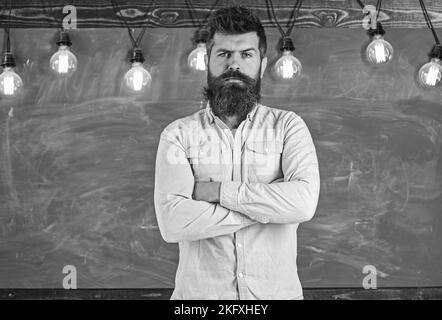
(263, 66)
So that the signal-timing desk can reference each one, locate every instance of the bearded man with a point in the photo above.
(234, 180)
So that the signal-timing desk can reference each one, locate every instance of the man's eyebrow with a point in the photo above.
(223, 50)
(245, 50)
(249, 49)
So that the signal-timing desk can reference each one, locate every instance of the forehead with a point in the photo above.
(236, 41)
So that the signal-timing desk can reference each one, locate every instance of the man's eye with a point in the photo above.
(223, 54)
(246, 55)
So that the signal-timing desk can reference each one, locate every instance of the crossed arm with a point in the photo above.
(189, 210)
(180, 216)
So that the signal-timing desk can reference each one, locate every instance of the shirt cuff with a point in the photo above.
(229, 194)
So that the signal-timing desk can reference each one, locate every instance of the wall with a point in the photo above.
(77, 160)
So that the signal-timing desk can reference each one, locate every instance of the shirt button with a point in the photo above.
(264, 220)
(239, 245)
(241, 275)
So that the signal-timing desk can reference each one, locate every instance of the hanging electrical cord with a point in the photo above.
(137, 78)
(430, 74)
(48, 16)
(379, 52)
(63, 62)
(378, 9)
(123, 21)
(197, 58)
(6, 35)
(135, 42)
(10, 82)
(143, 31)
(6, 40)
(292, 19)
(287, 67)
(200, 23)
(366, 10)
(191, 11)
(428, 20)
(378, 30)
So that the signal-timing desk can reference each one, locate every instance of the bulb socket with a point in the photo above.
(202, 35)
(436, 52)
(378, 31)
(286, 44)
(8, 60)
(64, 39)
(137, 56)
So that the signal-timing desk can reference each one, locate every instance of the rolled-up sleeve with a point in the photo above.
(293, 200)
(180, 218)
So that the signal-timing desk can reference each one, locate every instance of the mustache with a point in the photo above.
(235, 75)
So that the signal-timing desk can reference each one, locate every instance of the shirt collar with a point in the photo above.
(211, 116)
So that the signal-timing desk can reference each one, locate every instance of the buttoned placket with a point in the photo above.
(239, 235)
(235, 150)
(236, 143)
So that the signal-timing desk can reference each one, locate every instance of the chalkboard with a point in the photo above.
(77, 160)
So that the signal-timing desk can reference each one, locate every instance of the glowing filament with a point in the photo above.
(287, 69)
(432, 76)
(63, 63)
(8, 85)
(200, 63)
(379, 49)
(137, 80)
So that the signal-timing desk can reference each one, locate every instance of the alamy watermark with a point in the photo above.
(70, 20)
(370, 19)
(370, 281)
(70, 280)
(263, 148)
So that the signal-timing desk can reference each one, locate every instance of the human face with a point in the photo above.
(236, 52)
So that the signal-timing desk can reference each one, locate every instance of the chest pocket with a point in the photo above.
(263, 160)
(205, 160)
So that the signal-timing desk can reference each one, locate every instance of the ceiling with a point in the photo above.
(177, 13)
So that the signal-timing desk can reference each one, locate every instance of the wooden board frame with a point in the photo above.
(175, 13)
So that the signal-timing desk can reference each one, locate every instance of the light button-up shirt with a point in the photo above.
(244, 247)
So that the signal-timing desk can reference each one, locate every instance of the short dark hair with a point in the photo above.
(236, 20)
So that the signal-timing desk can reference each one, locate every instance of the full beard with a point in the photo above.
(232, 98)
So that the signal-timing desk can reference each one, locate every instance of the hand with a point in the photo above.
(206, 191)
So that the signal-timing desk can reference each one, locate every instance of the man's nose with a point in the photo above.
(232, 64)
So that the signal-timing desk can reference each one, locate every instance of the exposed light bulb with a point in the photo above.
(430, 74)
(63, 62)
(379, 51)
(196, 59)
(137, 78)
(10, 82)
(288, 67)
